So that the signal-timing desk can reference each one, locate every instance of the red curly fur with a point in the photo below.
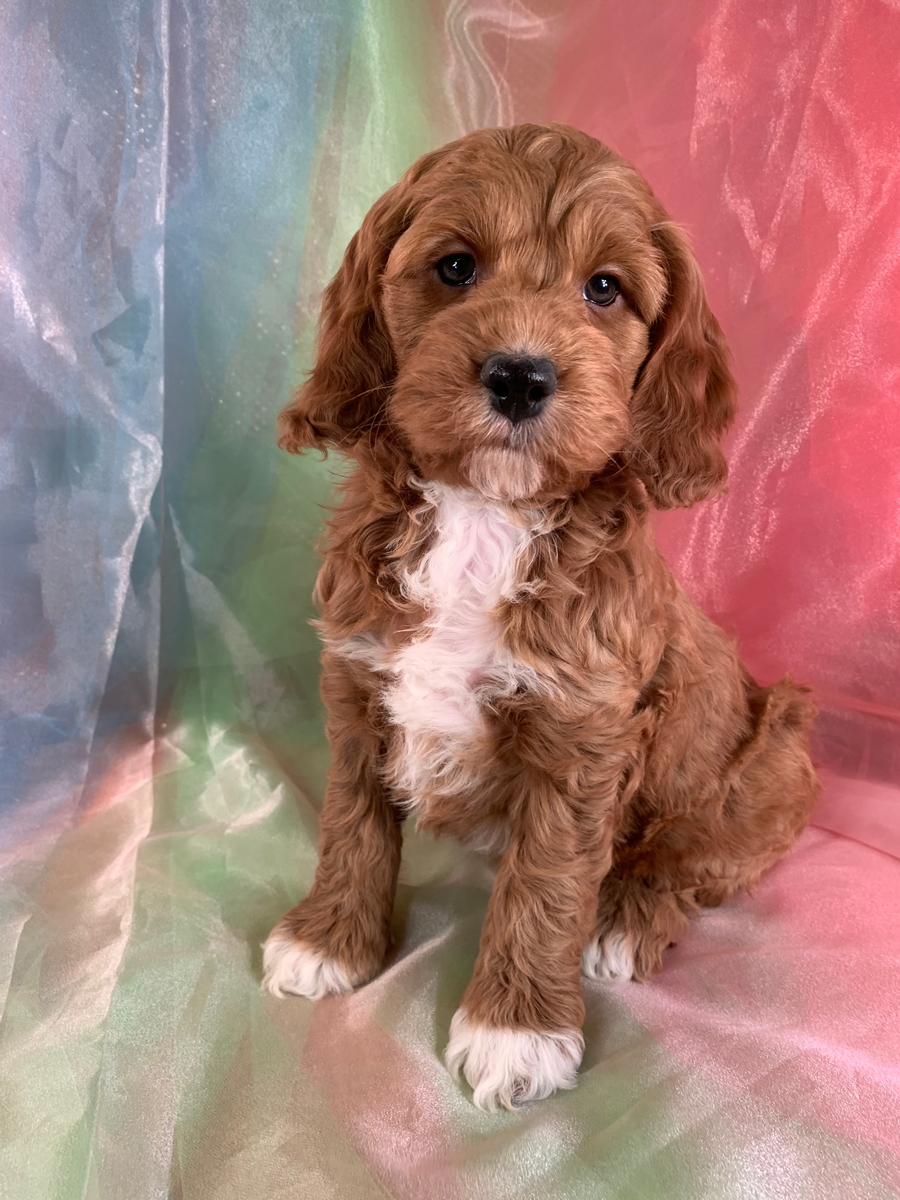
(629, 770)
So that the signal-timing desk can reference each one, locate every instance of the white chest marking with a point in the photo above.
(433, 693)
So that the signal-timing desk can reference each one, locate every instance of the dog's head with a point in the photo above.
(515, 315)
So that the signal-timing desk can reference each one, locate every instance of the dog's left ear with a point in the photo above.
(684, 397)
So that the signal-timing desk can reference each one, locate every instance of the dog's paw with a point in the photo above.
(509, 1067)
(610, 958)
(292, 966)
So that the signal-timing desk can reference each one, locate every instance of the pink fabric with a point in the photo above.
(771, 132)
(790, 995)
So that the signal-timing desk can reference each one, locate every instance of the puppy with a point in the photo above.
(518, 357)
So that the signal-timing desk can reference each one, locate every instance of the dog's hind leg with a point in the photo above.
(699, 858)
(635, 924)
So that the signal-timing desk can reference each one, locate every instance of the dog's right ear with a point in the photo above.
(354, 366)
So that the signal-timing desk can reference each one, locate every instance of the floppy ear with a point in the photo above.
(354, 360)
(684, 398)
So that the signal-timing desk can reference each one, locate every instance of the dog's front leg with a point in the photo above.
(517, 1033)
(338, 936)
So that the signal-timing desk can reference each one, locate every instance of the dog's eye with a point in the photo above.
(601, 289)
(457, 269)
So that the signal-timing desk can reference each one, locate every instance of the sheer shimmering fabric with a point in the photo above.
(179, 180)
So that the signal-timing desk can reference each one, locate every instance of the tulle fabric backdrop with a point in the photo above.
(179, 180)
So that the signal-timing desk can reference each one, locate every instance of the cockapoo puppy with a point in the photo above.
(518, 357)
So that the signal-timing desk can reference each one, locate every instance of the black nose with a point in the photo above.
(519, 387)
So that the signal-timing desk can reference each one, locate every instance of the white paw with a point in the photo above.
(512, 1066)
(610, 958)
(292, 966)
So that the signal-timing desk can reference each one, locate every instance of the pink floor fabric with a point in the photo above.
(790, 995)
